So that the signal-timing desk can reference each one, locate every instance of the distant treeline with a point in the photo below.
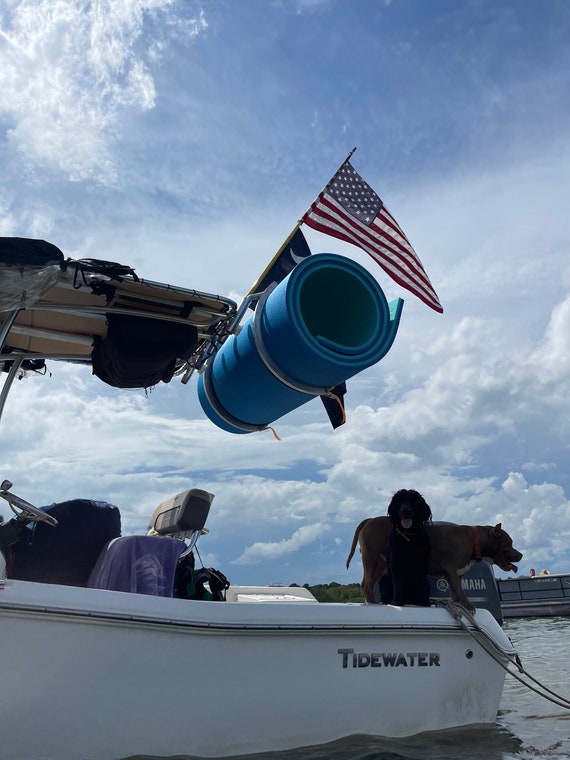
(335, 592)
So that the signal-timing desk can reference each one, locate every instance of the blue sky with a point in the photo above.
(186, 139)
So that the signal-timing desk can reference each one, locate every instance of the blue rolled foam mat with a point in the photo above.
(325, 322)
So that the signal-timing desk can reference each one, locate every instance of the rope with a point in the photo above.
(458, 612)
(274, 432)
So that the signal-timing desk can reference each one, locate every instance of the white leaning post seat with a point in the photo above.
(147, 564)
(182, 516)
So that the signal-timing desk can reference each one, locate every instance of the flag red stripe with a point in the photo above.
(397, 258)
(381, 262)
(377, 236)
(382, 240)
(384, 221)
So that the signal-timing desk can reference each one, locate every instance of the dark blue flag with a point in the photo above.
(294, 250)
(335, 406)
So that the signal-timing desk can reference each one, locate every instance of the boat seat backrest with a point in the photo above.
(183, 514)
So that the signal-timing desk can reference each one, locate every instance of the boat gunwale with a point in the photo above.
(445, 625)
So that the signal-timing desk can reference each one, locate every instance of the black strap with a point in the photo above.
(110, 269)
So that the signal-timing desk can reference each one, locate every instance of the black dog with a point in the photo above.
(406, 580)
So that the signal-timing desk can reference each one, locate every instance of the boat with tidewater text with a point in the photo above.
(118, 644)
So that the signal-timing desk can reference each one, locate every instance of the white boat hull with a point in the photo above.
(103, 675)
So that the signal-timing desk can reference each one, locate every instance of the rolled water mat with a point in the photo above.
(325, 322)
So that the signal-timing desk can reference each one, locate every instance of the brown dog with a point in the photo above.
(454, 548)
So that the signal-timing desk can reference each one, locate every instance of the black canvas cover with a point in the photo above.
(139, 352)
(28, 252)
(28, 269)
(65, 554)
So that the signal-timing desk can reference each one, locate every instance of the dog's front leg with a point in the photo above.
(456, 591)
(372, 573)
(399, 598)
(400, 581)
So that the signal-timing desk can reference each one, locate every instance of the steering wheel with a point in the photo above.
(22, 509)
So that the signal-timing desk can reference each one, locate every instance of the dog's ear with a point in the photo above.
(393, 505)
(424, 508)
(497, 530)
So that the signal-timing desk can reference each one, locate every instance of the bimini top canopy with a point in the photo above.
(133, 332)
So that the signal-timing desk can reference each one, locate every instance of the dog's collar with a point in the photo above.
(476, 543)
(409, 534)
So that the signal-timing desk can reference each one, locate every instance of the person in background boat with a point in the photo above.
(544, 572)
(532, 572)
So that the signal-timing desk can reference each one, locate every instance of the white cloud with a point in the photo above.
(551, 360)
(68, 71)
(300, 538)
(135, 451)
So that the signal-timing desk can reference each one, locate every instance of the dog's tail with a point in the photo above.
(355, 540)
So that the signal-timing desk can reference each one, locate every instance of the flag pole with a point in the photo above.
(254, 287)
(256, 284)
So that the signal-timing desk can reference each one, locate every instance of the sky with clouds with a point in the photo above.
(187, 138)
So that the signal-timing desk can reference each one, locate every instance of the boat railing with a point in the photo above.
(538, 588)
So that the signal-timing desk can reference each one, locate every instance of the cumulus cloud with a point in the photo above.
(69, 69)
(443, 437)
(551, 359)
(301, 537)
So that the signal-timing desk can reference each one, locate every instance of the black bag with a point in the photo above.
(28, 365)
(139, 352)
(65, 553)
(216, 580)
(190, 583)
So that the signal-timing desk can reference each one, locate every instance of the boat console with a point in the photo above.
(79, 543)
(162, 562)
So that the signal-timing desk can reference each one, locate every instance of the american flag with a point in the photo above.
(349, 209)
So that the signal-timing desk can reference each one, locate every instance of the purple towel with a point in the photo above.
(139, 564)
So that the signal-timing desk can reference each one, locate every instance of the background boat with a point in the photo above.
(540, 596)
